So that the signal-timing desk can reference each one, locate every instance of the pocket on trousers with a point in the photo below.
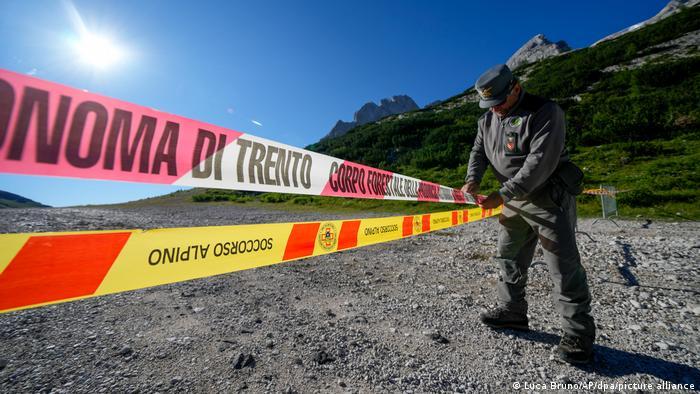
(510, 273)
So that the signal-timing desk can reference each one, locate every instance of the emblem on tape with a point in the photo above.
(327, 236)
(417, 224)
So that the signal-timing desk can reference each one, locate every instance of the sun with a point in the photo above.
(98, 51)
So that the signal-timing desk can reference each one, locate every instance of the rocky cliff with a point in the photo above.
(371, 112)
(535, 49)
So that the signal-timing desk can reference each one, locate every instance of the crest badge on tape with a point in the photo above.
(327, 236)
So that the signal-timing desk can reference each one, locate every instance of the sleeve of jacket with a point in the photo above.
(546, 146)
(477, 159)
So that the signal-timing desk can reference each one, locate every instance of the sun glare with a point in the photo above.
(91, 46)
(98, 51)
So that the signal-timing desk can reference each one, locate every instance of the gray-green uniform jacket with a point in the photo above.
(524, 148)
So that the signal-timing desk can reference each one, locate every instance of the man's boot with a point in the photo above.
(502, 317)
(575, 349)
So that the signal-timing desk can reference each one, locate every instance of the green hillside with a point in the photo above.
(11, 200)
(633, 121)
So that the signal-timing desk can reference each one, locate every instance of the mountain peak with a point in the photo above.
(536, 48)
(371, 112)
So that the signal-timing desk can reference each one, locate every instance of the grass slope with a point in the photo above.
(11, 200)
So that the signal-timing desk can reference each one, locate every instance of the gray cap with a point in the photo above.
(494, 85)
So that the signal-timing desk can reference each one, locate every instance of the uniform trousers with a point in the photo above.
(548, 215)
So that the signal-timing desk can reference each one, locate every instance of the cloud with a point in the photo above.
(255, 122)
(229, 111)
(32, 71)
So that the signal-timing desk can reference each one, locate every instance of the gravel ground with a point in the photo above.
(400, 316)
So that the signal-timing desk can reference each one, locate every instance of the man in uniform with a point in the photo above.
(522, 137)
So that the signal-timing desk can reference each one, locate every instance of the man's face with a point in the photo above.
(503, 108)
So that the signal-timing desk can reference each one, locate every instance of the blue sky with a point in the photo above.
(283, 70)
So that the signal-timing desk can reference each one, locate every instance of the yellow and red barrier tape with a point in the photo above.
(603, 192)
(55, 130)
(48, 268)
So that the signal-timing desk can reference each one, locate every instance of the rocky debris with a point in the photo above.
(310, 324)
(673, 7)
(322, 357)
(371, 112)
(126, 351)
(535, 49)
(437, 337)
(695, 309)
(242, 360)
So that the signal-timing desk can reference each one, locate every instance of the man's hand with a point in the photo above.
(471, 188)
(492, 201)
